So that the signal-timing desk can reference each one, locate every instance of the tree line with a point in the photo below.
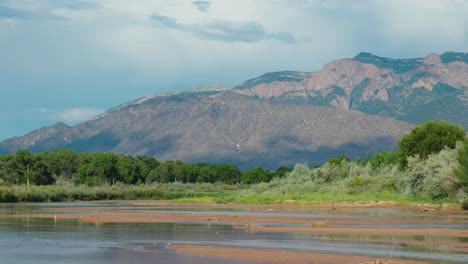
(25, 168)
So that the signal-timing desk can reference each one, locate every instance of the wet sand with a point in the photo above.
(282, 256)
(324, 222)
(255, 223)
(384, 231)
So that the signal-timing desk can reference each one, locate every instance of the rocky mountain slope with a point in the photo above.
(279, 118)
(413, 90)
(223, 127)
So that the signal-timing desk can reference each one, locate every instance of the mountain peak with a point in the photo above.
(397, 65)
(433, 59)
(270, 77)
(365, 55)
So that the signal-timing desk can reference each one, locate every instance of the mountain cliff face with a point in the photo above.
(413, 90)
(227, 127)
(349, 108)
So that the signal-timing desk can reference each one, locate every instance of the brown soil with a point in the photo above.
(282, 256)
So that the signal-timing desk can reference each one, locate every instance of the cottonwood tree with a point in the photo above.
(429, 138)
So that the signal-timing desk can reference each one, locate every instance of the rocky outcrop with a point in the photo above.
(377, 85)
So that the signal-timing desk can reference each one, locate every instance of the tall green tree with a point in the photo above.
(384, 159)
(64, 163)
(24, 162)
(146, 164)
(164, 173)
(462, 170)
(42, 172)
(429, 138)
(226, 173)
(256, 175)
(127, 170)
(206, 173)
(8, 171)
(98, 169)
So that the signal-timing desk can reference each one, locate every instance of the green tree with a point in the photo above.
(384, 159)
(98, 169)
(128, 170)
(206, 173)
(256, 175)
(462, 170)
(164, 173)
(226, 173)
(42, 173)
(146, 164)
(64, 163)
(24, 162)
(7, 169)
(429, 138)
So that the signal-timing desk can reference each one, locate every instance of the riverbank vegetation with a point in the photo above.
(101, 169)
(430, 166)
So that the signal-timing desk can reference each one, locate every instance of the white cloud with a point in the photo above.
(119, 35)
(72, 115)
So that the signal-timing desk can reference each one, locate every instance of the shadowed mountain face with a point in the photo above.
(225, 127)
(413, 90)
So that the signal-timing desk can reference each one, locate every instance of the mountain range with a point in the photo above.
(350, 107)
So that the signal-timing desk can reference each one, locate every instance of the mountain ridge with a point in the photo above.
(262, 121)
(397, 88)
(229, 127)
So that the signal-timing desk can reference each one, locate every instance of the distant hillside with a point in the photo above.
(222, 127)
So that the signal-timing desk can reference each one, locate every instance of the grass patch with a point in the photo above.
(56, 193)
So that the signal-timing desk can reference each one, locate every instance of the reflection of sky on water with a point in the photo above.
(29, 240)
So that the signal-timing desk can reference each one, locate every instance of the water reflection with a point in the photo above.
(31, 240)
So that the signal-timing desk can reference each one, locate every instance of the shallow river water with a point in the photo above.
(25, 239)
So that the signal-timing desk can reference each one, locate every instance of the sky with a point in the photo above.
(68, 60)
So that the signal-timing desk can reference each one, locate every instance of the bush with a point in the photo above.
(337, 161)
(463, 199)
(432, 177)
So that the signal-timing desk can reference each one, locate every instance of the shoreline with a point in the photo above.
(442, 228)
(383, 204)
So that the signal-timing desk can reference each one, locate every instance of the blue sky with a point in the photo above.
(67, 60)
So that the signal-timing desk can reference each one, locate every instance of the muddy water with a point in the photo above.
(24, 238)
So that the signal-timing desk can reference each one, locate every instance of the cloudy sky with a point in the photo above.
(67, 60)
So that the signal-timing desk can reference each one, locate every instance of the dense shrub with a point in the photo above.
(463, 199)
(432, 177)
